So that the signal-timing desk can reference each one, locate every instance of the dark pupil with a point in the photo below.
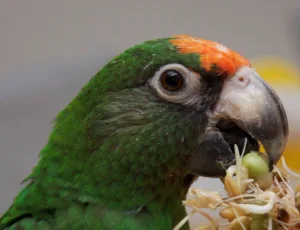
(172, 78)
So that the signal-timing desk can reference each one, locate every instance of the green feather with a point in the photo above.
(115, 157)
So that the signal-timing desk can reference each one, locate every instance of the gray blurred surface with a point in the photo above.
(49, 49)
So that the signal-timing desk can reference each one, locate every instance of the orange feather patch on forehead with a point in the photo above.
(211, 53)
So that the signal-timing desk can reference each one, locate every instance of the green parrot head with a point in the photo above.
(162, 110)
(180, 103)
(149, 122)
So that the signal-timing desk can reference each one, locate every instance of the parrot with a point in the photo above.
(124, 152)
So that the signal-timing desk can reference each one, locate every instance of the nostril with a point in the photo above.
(241, 79)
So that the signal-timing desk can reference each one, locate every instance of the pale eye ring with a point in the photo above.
(171, 80)
(175, 83)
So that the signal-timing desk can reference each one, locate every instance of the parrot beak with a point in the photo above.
(249, 102)
(247, 108)
(253, 105)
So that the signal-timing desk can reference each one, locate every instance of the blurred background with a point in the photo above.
(50, 49)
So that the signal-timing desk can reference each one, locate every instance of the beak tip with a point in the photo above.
(275, 150)
(271, 165)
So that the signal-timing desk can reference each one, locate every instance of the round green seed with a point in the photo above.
(256, 164)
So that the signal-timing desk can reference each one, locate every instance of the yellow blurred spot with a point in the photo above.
(279, 73)
(292, 155)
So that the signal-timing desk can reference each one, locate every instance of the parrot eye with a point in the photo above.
(171, 80)
(176, 83)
